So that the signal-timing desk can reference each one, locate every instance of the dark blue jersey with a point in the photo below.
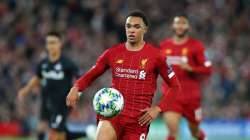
(56, 79)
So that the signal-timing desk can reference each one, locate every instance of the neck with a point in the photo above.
(54, 56)
(180, 40)
(135, 46)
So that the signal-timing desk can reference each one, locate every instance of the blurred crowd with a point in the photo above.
(91, 26)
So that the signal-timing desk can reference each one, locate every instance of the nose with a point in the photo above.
(131, 30)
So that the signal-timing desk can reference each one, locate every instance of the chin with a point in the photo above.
(131, 41)
(181, 35)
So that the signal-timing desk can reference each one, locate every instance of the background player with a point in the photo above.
(135, 66)
(186, 56)
(55, 75)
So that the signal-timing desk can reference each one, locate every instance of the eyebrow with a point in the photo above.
(135, 24)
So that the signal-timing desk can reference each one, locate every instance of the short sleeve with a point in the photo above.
(38, 70)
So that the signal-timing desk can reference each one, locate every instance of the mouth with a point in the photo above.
(131, 37)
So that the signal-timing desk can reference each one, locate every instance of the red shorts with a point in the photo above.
(128, 128)
(190, 109)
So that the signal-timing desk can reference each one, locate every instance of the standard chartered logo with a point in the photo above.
(142, 75)
(130, 73)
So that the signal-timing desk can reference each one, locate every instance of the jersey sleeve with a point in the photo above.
(171, 80)
(98, 69)
(161, 45)
(38, 70)
(203, 66)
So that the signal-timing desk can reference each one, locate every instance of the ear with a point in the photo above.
(188, 26)
(173, 26)
(146, 29)
(62, 41)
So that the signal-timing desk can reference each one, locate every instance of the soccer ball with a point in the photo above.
(108, 102)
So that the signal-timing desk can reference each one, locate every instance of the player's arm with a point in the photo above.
(204, 66)
(171, 81)
(85, 80)
(33, 82)
(174, 88)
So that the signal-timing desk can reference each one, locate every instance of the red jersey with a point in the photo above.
(191, 52)
(134, 74)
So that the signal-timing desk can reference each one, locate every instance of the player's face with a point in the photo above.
(180, 26)
(135, 29)
(53, 44)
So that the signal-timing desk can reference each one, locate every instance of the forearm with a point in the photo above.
(201, 70)
(169, 97)
(84, 81)
(34, 81)
(204, 66)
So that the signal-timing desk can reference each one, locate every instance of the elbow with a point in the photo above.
(209, 71)
(208, 65)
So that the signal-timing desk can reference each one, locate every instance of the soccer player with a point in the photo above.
(55, 75)
(135, 66)
(186, 55)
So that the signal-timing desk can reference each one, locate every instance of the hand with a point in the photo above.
(72, 97)
(22, 93)
(185, 66)
(149, 115)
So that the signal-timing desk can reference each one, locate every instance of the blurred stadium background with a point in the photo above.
(91, 26)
